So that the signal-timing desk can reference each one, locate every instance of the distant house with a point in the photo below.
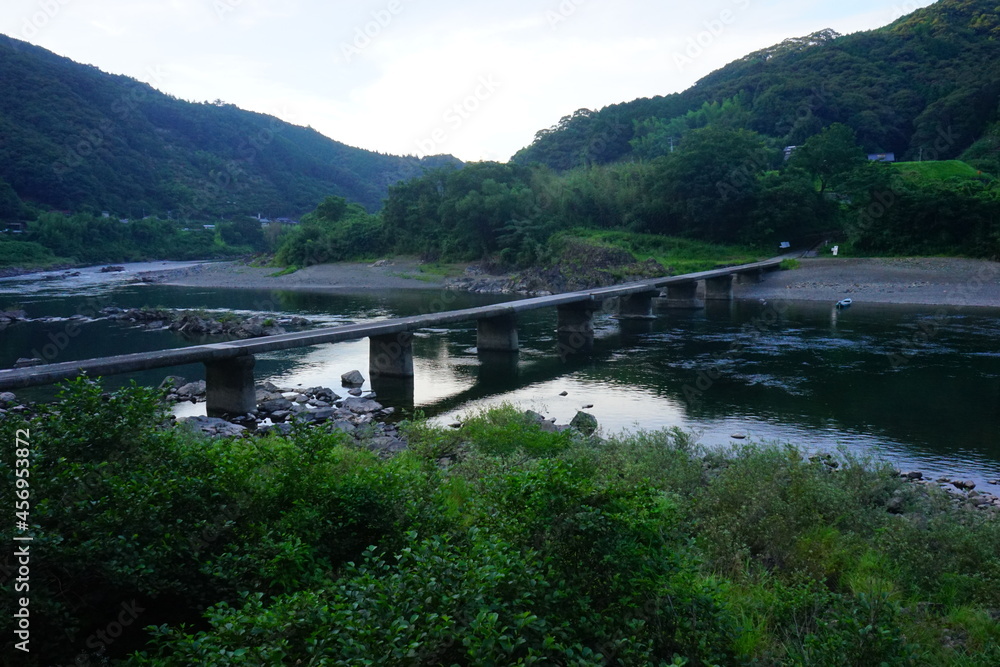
(14, 227)
(209, 227)
(286, 221)
(882, 157)
(789, 150)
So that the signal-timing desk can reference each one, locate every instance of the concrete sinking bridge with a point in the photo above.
(229, 378)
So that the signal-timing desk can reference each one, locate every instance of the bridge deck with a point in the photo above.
(128, 363)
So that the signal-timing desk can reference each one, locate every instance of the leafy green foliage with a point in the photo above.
(334, 232)
(831, 154)
(916, 84)
(119, 145)
(530, 547)
(24, 254)
(92, 239)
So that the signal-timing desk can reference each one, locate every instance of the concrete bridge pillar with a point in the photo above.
(229, 387)
(497, 334)
(637, 306)
(391, 355)
(719, 289)
(683, 295)
(575, 327)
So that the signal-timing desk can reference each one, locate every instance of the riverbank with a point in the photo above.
(940, 281)
(929, 281)
(393, 274)
(506, 522)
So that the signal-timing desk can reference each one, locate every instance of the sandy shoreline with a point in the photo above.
(928, 281)
(395, 274)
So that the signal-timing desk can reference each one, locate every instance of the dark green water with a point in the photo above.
(917, 385)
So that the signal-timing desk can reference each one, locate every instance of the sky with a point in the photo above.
(416, 77)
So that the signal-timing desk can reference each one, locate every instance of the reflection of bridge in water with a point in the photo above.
(229, 366)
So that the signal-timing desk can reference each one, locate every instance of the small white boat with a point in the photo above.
(844, 303)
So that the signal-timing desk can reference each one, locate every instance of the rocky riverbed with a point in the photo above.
(199, 323)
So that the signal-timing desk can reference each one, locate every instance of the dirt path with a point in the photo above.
(935, 281)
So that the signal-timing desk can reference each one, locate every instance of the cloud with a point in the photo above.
(386, 74)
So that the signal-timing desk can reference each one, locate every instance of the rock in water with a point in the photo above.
(352, 379)
(276, 405)
(192, 389)
(361, 405)
(584, 423)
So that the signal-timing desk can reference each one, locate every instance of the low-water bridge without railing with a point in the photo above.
(229, 366)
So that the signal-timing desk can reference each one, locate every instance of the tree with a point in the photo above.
(829, 155)
(710, 183)
(331, 209)
(11, 207)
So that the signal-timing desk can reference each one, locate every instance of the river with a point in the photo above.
(917, 385)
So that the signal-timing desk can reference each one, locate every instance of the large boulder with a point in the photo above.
(192, 389)
(361, 405)
(584, 423)
(352, 379)
(276, 405)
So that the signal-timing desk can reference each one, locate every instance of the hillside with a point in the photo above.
(74, 137)
(930, 80)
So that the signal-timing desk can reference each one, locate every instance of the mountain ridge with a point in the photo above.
(896, 86)
(73, 136)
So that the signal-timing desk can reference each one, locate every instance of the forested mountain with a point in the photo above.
(928, 82)
(73, 137)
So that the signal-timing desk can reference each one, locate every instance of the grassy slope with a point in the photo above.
(678, 255)
(941, 170)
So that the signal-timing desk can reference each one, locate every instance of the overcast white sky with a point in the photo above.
(476, 80)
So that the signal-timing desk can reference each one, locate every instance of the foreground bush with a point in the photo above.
(159, 547)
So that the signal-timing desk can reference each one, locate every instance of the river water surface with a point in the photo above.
(918, 385)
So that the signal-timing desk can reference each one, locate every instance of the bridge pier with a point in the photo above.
(683, 295)
(575, 328)
(637, 306)
(391, 355)
(719, 289)
(229, 386)
(497, 334)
